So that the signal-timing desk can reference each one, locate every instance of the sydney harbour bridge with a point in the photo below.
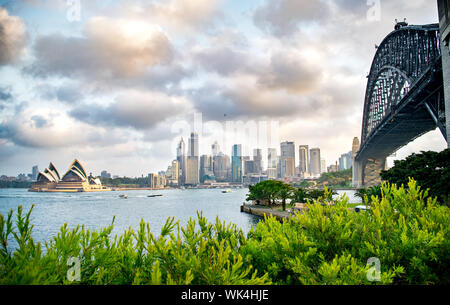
(406, 97)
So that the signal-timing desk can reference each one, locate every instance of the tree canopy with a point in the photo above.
(430, 169)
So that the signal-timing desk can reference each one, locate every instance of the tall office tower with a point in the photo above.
(272, 163)
(323, 166)
(244, 161)
(303, 156)
(287, 159)
(215, 148)
(257, 159)
(181, 158)
(193, 145)
(271, 158)
(175, 172)
(236, 164)
(221, 164)
(34, 172)
(192, 171)
(206, 167)
(314, 162)
(249, 166)
(279, 167)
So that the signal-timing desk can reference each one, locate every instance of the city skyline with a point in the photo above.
(67, 91)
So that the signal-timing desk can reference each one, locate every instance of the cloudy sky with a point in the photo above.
(116, 83)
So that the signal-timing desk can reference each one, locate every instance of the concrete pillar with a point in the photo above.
(446, 75)
(444, 25)
(357, 174)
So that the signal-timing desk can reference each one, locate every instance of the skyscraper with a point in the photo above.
(257, 161)
(193, 145)
(314, 162)
(345, 161)
(34, 173)
(206, 167)
(192, 171)
(181, 158)
(323, 166)
(221, 164)
(236, 164)
(271, 158)
(287, 159)
(192, 161)
(303, 156)
(215, 148)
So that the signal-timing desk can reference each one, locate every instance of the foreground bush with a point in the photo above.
(405, 230)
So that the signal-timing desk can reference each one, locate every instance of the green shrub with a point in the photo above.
(369, 192)
(207, 255)
(405, 229)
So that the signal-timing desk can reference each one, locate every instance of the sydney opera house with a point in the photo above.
(74, 180)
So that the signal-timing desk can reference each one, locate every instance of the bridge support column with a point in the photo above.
(371, 171)
(444, 24)
(357, 174)
(446, 79)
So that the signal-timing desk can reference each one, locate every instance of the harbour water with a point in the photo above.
(96, 210)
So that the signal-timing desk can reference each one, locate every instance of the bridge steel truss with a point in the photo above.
(404, 98)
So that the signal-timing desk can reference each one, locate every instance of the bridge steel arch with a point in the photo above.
(404, 98)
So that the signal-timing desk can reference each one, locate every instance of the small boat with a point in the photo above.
(124, 196)
(155, 195)
(226, 191)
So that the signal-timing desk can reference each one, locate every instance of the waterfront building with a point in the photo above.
(206, 168)
(323, 166)
(236, 164)
(287, 159)
(34, 172)
(314, 162)
(333, 168)
(156, 181)
(74, 180)
(303, 156)
(192, 171)
(173, 173)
